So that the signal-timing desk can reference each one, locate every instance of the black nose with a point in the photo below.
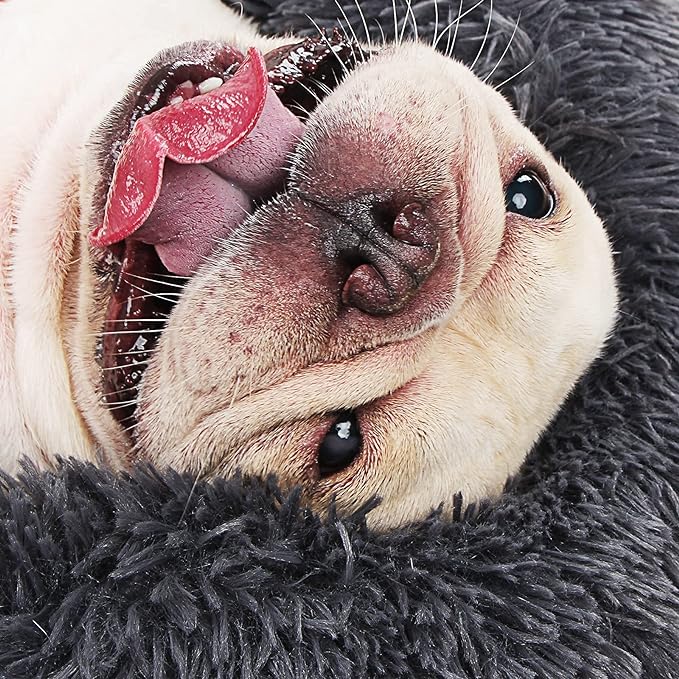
(390, 252)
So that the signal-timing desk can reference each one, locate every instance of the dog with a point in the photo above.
(350, 267)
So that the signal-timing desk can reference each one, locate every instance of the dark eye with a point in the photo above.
(528, 196)
(340, 446)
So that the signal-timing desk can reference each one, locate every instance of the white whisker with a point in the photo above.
(516, 75)
(485, 37)
(436, 22)
(312, 93)
(509, 44)
(164, 298)
(450, 45)
(122, 404)
(235, 391)
(379, 26)
(126, 332)
(327, 42)
(346, 18)
(411, 14)
(131, 427)
(136, 320)
(347, 37)
(321, 85)
(126, 365)
(153, 280)
(456, 22)
(136, 352)
(365, 25)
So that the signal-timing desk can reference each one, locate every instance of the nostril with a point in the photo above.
(411, 226)
(367, 289)
(384, 216)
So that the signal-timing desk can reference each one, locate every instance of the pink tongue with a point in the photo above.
(197, 130)
(199, 206)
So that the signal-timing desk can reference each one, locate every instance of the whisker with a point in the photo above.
(516, 75)
(456, 22)
(457, 29)
(131, 427)
(251, 373)
(235, 391)
(153, 280)
(136, 320)
(393, 5)
(319, 101)
(346, 18)
(327, 42)
(509, 44)
(126, 365)
(170, 275)
(379, 26)
(485, 37)
(411, 14)
(125, 332)
(321, 85)
(122, 404)
(177, 295)
(136, 352)
(436, 22)
(365, 25)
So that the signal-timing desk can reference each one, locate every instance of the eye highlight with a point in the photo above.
(527, 195)
(340, 446)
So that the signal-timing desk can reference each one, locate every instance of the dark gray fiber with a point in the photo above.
(573, 573)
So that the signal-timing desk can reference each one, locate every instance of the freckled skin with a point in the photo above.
(476, 327)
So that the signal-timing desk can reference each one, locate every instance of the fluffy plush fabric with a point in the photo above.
(574, 573)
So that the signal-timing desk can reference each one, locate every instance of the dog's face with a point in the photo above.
(401, 320)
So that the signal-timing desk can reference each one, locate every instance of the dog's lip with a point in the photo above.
(287, 68)
(410, 351)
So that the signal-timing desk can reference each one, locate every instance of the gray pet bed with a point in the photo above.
(573, 573)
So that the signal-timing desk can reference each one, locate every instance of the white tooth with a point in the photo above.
(210, 84)
(176, 100)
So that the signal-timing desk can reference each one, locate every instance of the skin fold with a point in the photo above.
(452, 385)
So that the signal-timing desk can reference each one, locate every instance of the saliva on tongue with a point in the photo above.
(188, 174)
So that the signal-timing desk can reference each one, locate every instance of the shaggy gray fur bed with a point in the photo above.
(574, 573)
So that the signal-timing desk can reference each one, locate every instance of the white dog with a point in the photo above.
(221, 252)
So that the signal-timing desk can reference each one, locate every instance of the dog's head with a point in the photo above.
(366, 277)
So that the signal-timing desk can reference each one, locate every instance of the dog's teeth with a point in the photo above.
(176, 100)
(210, 84)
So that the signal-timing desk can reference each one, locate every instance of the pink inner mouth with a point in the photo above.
(187, 174)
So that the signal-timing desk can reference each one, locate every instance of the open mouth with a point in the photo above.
(202, 144)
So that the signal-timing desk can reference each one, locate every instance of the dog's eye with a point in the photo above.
(528, 196)
(340, 446)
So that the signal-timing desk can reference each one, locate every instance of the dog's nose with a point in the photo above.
(389, 252)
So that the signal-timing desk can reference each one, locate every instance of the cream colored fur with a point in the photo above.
(453, 405)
